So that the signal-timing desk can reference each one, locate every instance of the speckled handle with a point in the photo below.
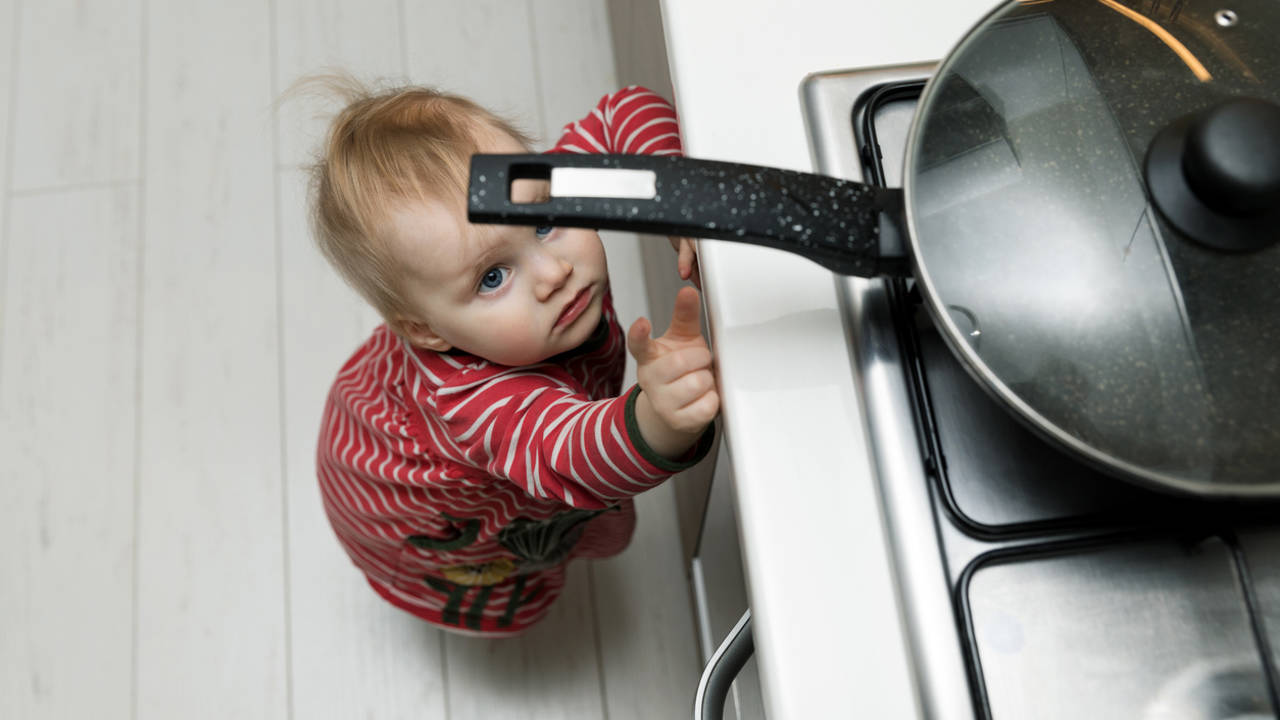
(847, 227)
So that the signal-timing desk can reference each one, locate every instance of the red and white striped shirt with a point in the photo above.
(461, 487)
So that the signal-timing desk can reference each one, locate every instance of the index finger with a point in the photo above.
(686, 318)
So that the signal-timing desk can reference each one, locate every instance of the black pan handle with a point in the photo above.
(847, 227)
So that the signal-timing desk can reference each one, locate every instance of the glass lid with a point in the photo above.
(1055, 277)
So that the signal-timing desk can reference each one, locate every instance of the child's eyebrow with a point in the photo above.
(486, 257)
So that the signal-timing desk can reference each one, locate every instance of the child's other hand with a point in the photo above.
(678, 396)
(686, 259)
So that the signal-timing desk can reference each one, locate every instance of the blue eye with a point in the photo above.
(542, 231)
(493, 279)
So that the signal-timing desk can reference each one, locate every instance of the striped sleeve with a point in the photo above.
(634, 121)
(533, 427)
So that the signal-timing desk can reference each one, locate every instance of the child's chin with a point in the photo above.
(586, 324)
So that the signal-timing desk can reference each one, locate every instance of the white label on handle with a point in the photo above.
(604, 183)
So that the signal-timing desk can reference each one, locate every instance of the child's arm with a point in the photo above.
(536, 427)
(678, 397)
(633, 120)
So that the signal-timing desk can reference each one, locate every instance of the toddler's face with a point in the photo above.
(510, 294)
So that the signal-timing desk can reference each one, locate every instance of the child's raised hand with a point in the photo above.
(678, 396)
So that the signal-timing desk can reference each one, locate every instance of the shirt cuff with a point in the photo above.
(688, 460)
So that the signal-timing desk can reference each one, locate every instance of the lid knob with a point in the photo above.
(1232, 157)
(1215, 174)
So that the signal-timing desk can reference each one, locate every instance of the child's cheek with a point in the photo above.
(514, 339)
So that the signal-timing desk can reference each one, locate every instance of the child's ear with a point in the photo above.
(421, 335)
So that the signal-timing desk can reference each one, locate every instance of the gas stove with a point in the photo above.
(1032, 585)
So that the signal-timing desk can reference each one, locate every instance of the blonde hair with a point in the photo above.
(384, 147)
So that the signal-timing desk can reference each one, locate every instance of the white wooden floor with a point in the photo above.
(167, 334)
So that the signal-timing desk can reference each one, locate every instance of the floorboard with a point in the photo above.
(212, 639)
(76, 93)
(69, 398)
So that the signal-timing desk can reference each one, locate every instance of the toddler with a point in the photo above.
(478, 440)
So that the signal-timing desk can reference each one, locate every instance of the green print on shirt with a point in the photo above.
(538, 544)
(541, 544)
(457, 593)
(465, 535)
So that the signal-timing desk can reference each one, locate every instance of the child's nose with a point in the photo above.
(553, 273)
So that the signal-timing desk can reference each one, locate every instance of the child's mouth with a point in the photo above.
(575, 307)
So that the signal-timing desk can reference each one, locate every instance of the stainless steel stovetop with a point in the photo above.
(1032, 586)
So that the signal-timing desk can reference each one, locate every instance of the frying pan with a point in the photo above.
(1090, 209)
